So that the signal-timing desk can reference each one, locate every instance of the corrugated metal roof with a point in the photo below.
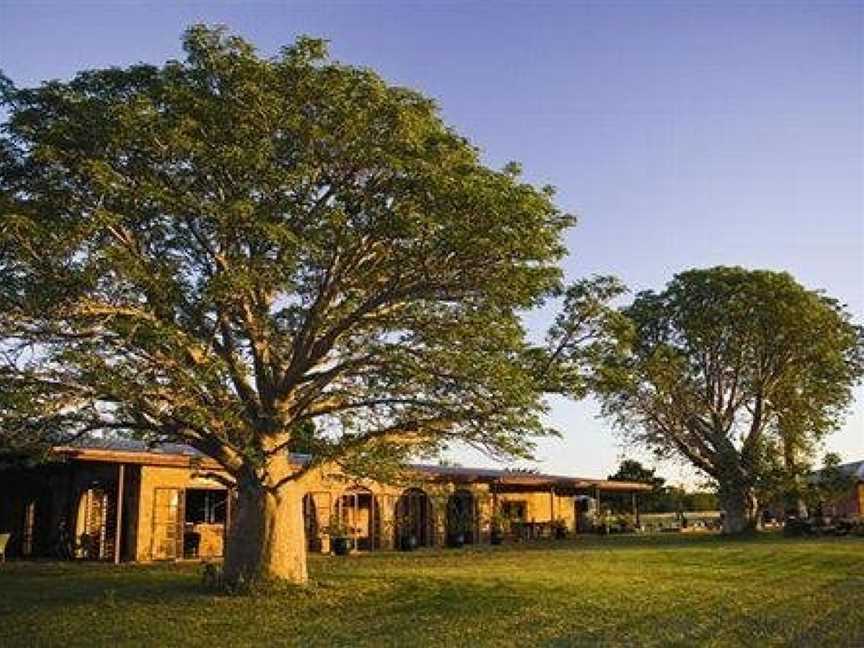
(134, 445)
(514, 477)
(853, 469)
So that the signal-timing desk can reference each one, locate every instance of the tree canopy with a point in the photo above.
(722, 368)
(633, 470)
(223, 249)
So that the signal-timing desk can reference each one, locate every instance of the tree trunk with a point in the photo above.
(739, 505)
(793, 503)
(266, 540)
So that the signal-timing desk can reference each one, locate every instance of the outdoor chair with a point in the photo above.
(4, 540)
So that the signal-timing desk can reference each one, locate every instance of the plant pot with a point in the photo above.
(496, 538)
(560, 533)
(456, 540)
(408, 543)
(341, 545)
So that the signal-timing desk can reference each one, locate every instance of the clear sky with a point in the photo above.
(684, 134)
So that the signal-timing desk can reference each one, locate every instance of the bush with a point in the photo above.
(796, 527)
(852, 526)
(559, 529)
(212, 576)
(610, 523)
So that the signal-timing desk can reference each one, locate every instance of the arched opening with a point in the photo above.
(584, 513)
(414, 519)
(461, 520)
(358, 510)
(310, 523)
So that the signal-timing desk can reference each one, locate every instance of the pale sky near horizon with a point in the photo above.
(683, 134)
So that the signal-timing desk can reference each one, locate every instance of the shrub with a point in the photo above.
(211, 576)
(559, 528)
(797, 527)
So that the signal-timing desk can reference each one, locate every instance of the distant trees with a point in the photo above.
(726, 368)
(632, 470)
(662, 499)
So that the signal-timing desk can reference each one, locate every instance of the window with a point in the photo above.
(206, 506)
(514, 510)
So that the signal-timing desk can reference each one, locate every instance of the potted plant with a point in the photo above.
(406, 539)
(559, 527)
(460, 526)
(627, 523)
(497, 521)
(340, 536)
(603, 523)
(456, 539)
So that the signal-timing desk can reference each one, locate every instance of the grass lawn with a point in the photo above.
(668, 590)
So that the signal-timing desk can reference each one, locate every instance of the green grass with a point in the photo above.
(666, 590)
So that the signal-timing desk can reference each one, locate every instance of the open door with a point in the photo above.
(95, 523)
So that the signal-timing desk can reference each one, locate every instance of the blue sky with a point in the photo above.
(683, 134)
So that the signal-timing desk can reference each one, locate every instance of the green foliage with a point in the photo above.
(459, 519)
(674, 499)
(304, 438)
(496, 520)
(222, 249)
(723, 368)
(662, 499)
(632, 470)
(609, 521)
(829, 484)
(701, 501)
(336, 527)
(581, 335)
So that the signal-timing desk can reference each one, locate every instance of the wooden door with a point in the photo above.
(167, 524)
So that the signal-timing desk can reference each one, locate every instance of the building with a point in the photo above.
(851, 504)
(124, 501)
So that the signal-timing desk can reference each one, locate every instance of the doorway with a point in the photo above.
(167, 540)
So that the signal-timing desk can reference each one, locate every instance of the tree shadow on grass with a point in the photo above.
(58, 585)
(841, 626)
(717, 619)
(445, 597)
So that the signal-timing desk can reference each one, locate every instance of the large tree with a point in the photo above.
(724, 368)
(222, 249)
